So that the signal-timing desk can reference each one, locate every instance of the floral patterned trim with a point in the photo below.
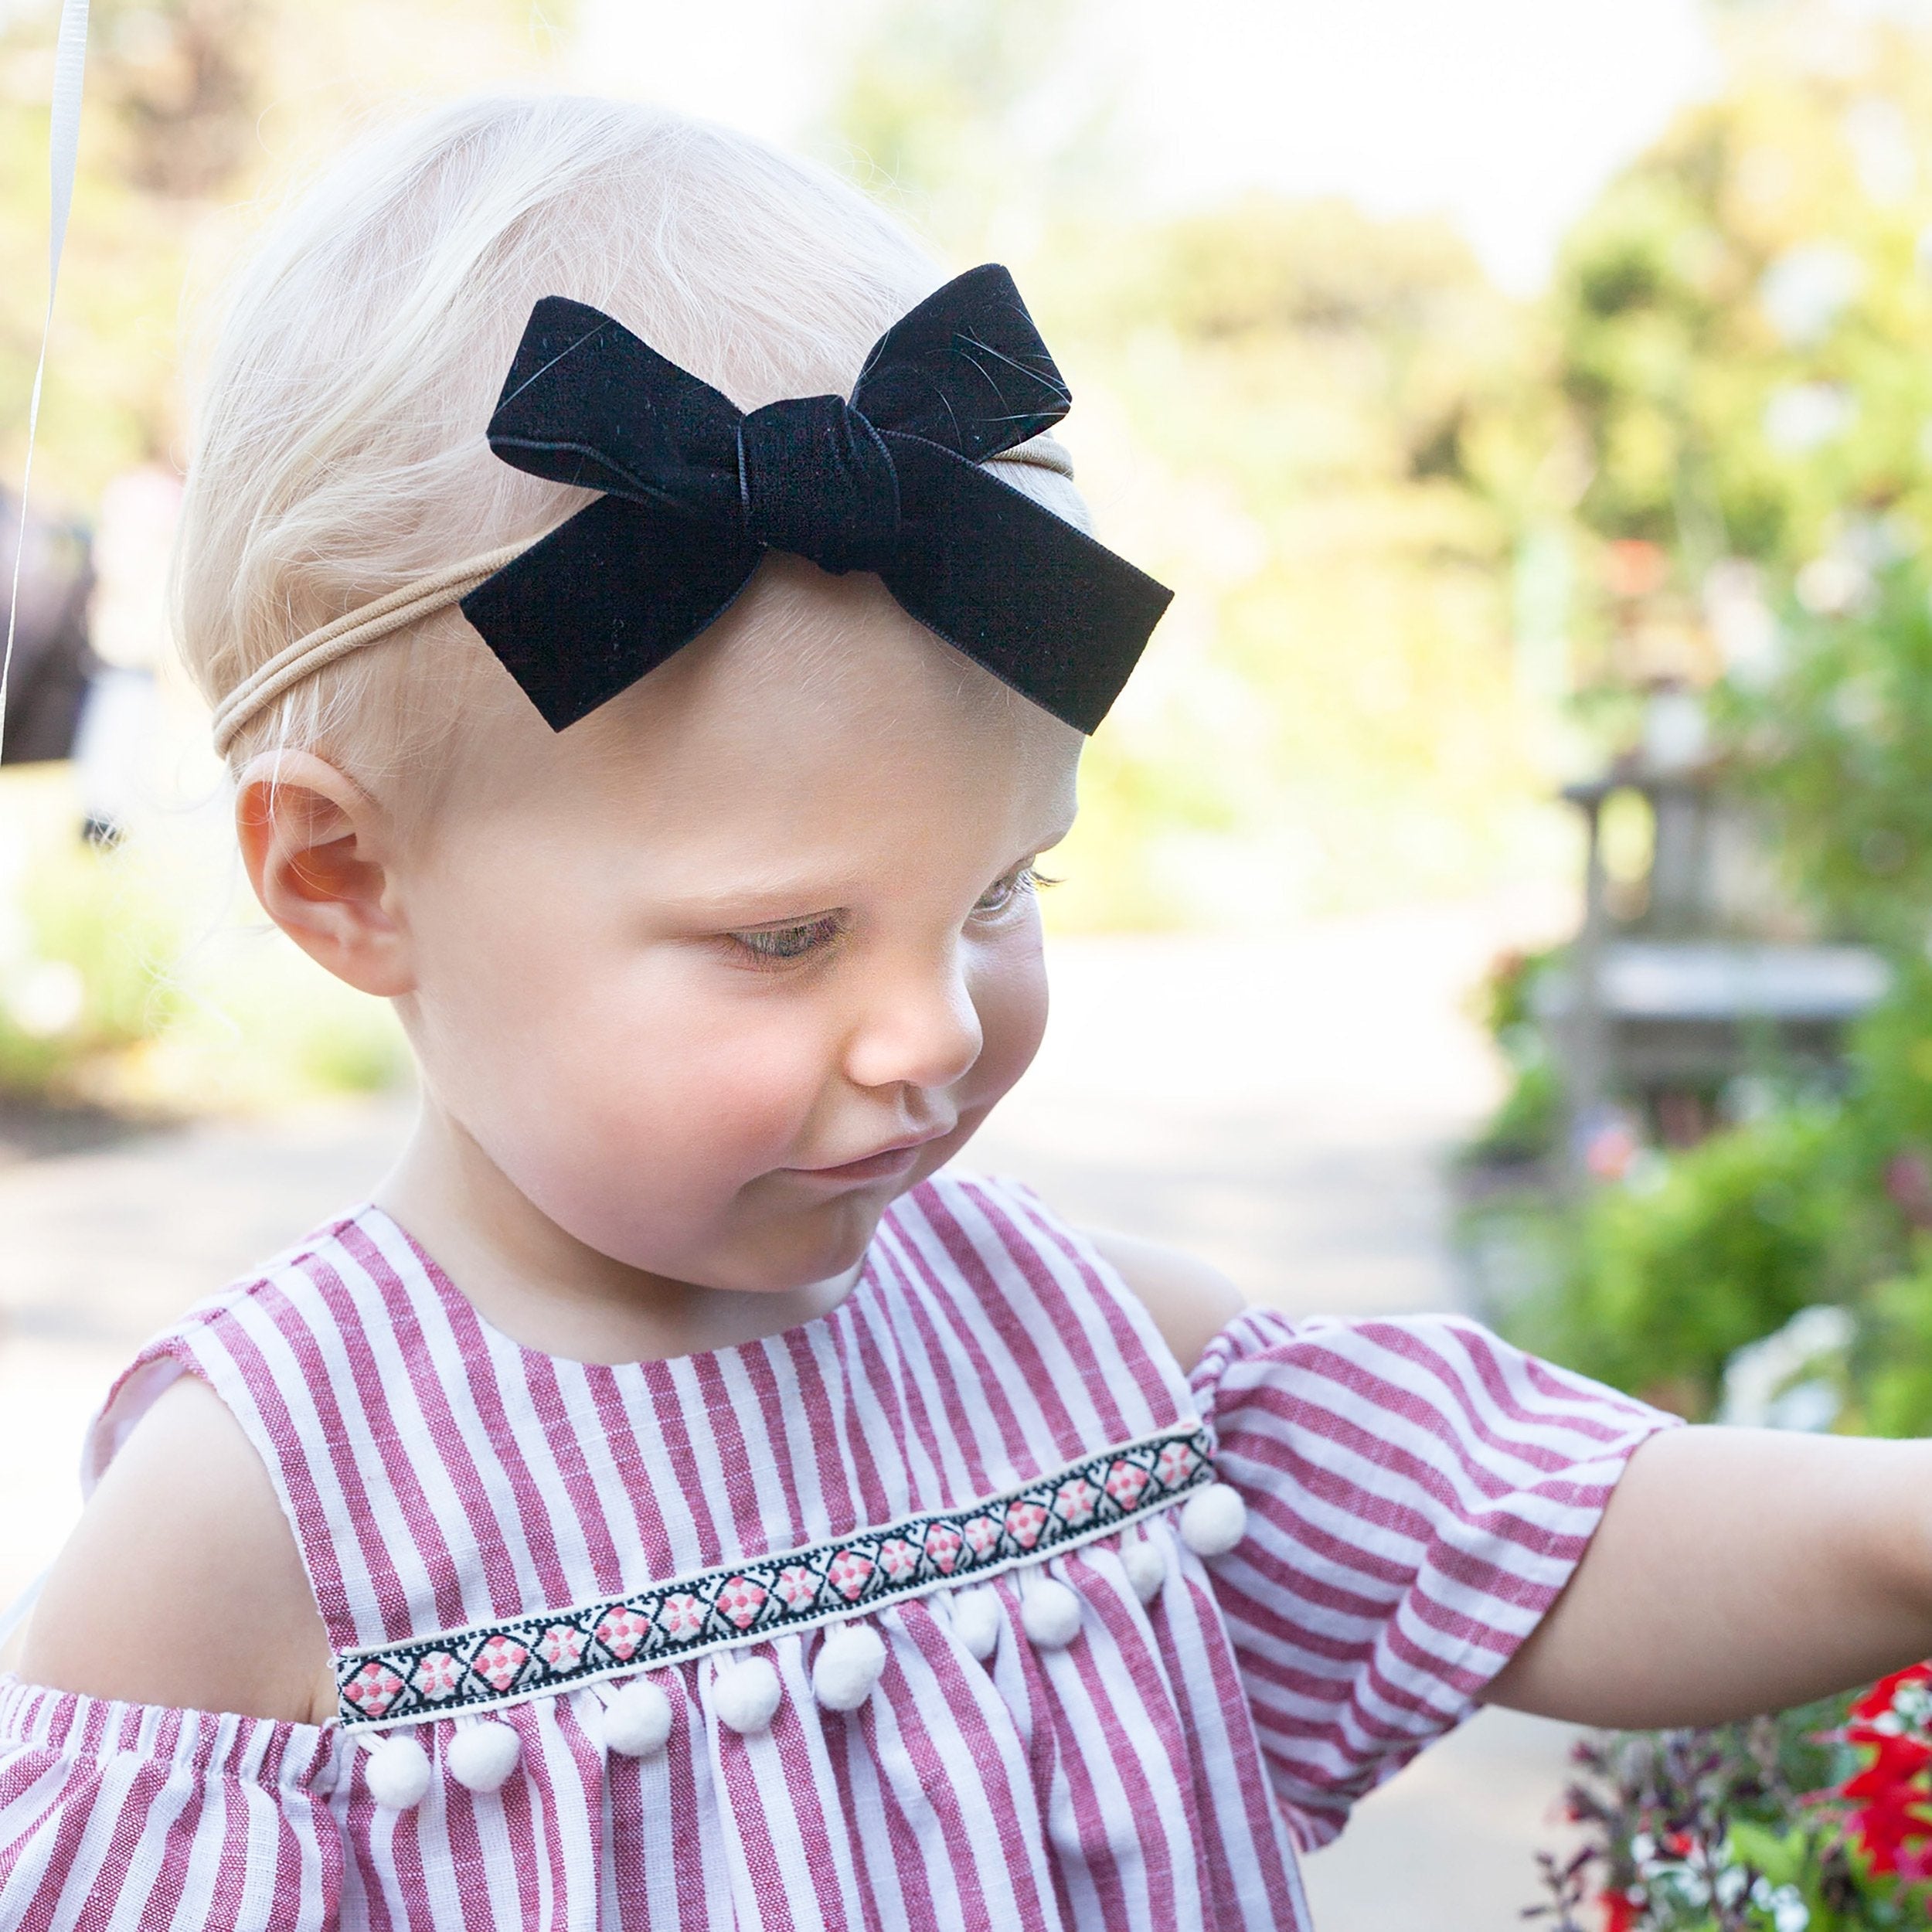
(496, 1663)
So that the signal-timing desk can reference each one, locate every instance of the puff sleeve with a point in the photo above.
(129, 1814)
(1418, 1493)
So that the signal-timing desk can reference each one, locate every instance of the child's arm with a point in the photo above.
(1738, 1570)
(182, 1585)
(1191, 1300)
(1735, 1570)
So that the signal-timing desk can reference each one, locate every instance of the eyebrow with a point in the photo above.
(803, 897)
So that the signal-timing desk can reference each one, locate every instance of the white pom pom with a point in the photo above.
(977, 1620)
(481, 1757)
(638, 1720)
(1049, 1612)
(849, 1664)
(1146, 1567)
(746, 1696)
(398, 1772)
(1214, 1519)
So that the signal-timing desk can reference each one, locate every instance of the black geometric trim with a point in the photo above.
(494, 1664)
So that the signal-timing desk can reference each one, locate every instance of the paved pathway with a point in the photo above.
(1280, 1106)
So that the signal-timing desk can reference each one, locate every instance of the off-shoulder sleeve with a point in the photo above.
(131, 1814)
(1418, 1493)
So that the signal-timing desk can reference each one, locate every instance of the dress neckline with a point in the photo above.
(454, 1302)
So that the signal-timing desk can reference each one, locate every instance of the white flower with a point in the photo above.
(1828, 587)
(47, 998)
(1800, 417)
(1775, 1382)
(1806, 289)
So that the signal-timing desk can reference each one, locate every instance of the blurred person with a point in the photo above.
(121, 717)
(680, 1495)
(47, 682)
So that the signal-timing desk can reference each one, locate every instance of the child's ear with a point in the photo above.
(319, 849)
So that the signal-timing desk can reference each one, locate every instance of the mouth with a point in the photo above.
(883, 1163)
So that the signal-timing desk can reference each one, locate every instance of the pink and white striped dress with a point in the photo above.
(985, 1456)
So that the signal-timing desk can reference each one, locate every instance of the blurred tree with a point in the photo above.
(191, 105)
(181, 85)
(1315, 425)
(1743, 316)
(984, 122)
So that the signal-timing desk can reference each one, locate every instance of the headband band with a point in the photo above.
(695, 492)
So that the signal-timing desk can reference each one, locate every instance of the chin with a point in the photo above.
(836, 1241)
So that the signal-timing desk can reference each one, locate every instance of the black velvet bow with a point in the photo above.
(696, 491)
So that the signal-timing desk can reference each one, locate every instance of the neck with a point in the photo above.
(543, 1288)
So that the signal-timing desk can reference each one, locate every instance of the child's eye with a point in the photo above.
(1015, 886)
(775, 945)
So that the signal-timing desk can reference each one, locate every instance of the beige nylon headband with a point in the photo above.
(369, 623)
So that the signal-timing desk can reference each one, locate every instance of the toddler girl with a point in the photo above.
(680, 1498)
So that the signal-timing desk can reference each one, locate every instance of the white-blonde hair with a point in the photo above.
(337, 451)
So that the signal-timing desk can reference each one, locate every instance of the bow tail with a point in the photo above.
(1041, 605)
(606, 597)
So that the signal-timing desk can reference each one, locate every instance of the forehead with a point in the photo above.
(816, 713)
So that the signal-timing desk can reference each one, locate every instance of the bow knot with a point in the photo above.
(815, 478)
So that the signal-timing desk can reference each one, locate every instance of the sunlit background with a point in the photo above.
(1507, 884)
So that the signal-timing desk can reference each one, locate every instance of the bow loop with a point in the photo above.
(586, 402)
(965, 369)
(815, 479)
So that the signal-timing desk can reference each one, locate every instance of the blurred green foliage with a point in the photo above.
(1839, 747)
(132, 977)
(1653, 1282)
(1660, 1285)
(92, 985)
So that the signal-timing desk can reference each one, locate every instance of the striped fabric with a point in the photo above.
(1418, 1492)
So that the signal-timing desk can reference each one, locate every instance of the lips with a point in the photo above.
(881, 1163)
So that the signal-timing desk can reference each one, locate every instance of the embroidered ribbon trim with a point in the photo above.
(553, 1650)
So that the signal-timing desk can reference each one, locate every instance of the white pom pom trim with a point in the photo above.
(398, 1772)
(1214, 1519)
(638, 1720)
(481, 1757)
(747, 1695)
(977, 1620)
(1145, 1565)
(1049, 1612)
(847, 1667)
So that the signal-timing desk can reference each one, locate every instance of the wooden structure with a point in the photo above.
(1661, 1006)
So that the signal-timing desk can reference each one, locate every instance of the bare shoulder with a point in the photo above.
(186, 1524)
(1191, 1299)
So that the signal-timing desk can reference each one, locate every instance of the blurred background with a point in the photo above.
(1507, 885)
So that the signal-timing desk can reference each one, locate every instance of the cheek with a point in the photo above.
(623, 1090)
(1009, 993)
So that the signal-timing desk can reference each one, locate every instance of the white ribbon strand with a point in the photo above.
(63, 144)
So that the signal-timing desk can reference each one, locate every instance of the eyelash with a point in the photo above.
(774, 946)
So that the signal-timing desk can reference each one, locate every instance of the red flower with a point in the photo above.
(1620, 1912)
(1888, 1816)
(1878, 1701)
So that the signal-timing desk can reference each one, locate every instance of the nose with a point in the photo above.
(916, 1028)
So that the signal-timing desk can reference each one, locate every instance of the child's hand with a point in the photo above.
(1738, 1570)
